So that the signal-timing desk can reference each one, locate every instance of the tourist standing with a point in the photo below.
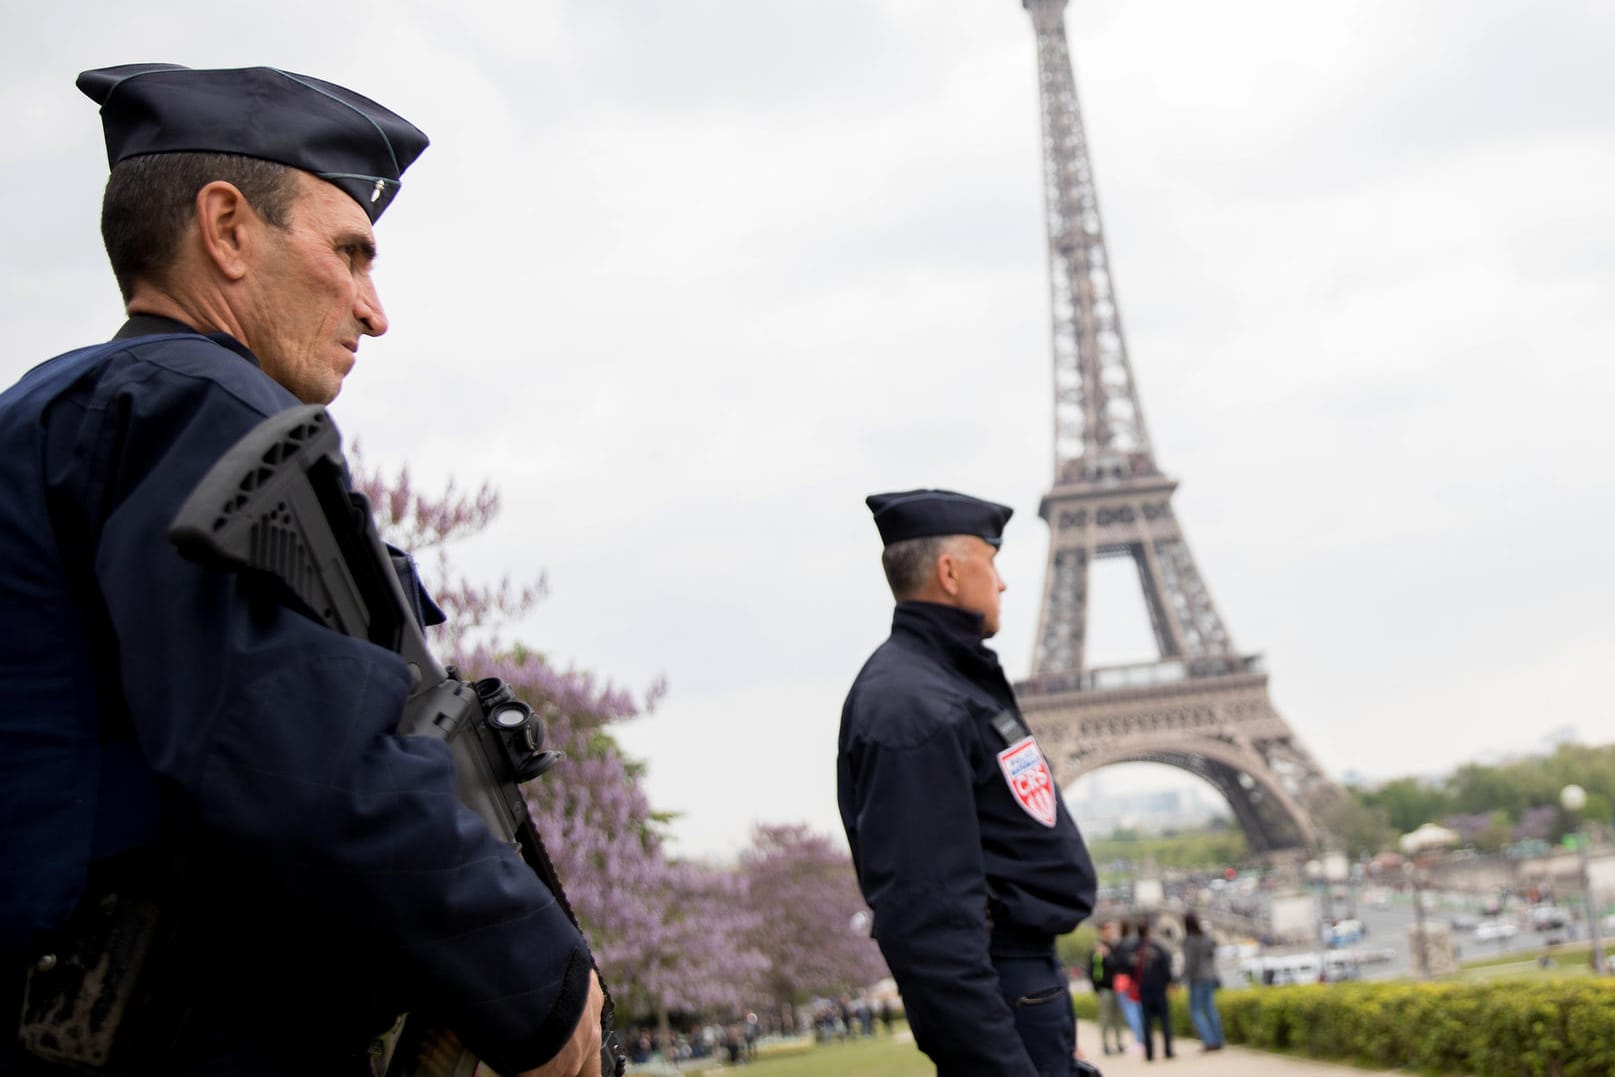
(1102, 966)
(1152, 967)
(1200, 970)
(1126, 983)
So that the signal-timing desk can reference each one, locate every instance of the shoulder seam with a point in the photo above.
(150, 365)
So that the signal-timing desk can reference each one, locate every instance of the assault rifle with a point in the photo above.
(277, 506)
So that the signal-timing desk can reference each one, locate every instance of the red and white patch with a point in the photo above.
(1030, 782)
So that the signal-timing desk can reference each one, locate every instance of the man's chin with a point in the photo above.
(319, 395)
(324, 392)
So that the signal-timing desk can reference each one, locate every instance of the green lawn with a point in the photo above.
(1567, 958)
(879, 1057)
(1528, 970)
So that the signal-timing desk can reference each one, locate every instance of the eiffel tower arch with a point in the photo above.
(1200, 705)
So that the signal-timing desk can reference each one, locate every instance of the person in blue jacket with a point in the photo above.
(168, 729)
(961, 841)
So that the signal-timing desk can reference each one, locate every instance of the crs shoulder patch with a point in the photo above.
(1030, 782)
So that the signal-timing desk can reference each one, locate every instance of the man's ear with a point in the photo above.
(226, 226)
(946, 573)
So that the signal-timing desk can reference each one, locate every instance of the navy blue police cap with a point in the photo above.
(924, 513)
(307, 123)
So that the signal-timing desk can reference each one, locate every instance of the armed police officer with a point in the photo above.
(961, 841)
(173, 738)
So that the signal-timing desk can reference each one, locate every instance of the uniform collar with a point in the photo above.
(945, 627)
(955, 635)
(149, 325)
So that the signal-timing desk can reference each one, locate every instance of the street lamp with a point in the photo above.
(1421, 957)
(1573, 798)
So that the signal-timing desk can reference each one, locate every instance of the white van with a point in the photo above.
(1345, 933)
(1306, 968)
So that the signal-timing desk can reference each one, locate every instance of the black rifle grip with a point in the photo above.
(277, 505)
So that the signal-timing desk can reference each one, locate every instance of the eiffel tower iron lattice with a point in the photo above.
(1202, 706)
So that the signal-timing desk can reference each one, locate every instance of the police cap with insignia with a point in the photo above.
(924, 513)
(307, 123)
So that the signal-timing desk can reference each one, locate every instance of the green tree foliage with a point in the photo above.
(1408, 803)
(1361, 828)
(1190, 849)
(1510, 789)
(1476, 788)
(1497, 834)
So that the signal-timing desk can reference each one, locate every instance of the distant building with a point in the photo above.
(1184, 808)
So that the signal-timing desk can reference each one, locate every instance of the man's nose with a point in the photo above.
(367, 308)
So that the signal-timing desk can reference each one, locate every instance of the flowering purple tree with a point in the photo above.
(670, 937)
(425, 524)
(812, 923)
(693, 954)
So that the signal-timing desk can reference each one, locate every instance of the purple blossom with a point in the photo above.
(812, 921)
(671, 937)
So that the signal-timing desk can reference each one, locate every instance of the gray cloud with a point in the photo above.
(686, 282)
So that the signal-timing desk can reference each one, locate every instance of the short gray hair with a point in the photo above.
(150, 200)
(908, 563)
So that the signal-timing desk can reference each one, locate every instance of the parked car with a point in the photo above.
(1488, 930)
(1548, 917)
(1345, 933)
(1465, 921)
(1304, 968)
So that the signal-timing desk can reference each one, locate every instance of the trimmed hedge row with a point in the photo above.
(1520, 1028)
(1087, 1008)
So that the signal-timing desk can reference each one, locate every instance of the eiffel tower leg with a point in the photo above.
(1063, 622)
(1256, 828)
(1267, 822)
(1164, 622)
(1202, 627)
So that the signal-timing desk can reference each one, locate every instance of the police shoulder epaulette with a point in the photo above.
(1009, 727)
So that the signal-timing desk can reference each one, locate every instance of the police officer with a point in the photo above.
(962, 844)
(169, 730)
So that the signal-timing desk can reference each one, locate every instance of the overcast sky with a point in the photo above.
(686, 281)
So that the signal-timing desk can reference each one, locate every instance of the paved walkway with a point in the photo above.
(1189, 1061)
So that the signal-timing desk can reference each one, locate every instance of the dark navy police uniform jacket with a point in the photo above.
(963, 846)
(144, 699)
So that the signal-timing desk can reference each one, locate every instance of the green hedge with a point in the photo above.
(1520, 1028)
(1086, 1004)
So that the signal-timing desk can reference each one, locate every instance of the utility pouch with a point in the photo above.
(94, 998)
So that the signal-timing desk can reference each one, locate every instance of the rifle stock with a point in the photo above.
(277, 506)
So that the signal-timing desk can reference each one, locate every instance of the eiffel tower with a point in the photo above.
(1201, 706)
